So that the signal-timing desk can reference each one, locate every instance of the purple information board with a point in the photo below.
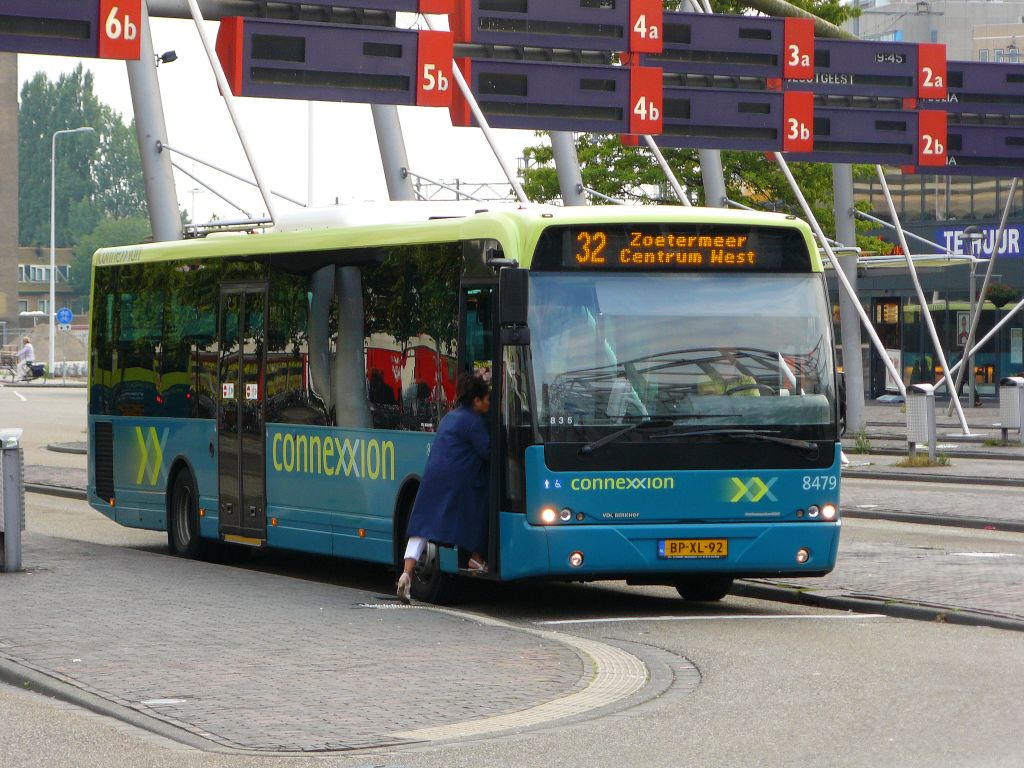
(886, 137)
(596, 27)
(723, 118)
(299, 60)
(874, 68)
(51, 27)
(737, 46)
(982, 88)
(549, 97)
(408, 6)
(982, 150)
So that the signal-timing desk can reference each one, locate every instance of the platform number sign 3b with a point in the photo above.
(119, 30)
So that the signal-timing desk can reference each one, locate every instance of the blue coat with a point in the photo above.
(451, 506)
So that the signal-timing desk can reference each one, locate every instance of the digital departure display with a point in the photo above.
(672, 247)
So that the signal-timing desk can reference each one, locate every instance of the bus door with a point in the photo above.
(240, 415)
(478, 317)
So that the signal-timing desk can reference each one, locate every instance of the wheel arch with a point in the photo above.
(179, 464)
(407, 490)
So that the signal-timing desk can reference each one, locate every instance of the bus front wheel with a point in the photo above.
(183, 520)
(703, 589)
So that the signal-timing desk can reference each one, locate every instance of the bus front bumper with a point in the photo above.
(623, 551)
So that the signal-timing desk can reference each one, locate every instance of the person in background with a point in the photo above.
(451, 505)
(26, 357)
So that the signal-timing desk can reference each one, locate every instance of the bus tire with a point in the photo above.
(429, 583)
(183, 517)
(703, 589)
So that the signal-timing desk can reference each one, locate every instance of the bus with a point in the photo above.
(664, 401)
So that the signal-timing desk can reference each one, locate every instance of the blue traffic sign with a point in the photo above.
(65, 316)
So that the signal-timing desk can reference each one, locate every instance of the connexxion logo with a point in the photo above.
(147, 461)
(753, 489)
(622, 483)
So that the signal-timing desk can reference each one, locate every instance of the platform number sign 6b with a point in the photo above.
(434, 69)
(119, 29)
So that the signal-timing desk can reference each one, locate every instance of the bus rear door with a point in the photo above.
(240, 415)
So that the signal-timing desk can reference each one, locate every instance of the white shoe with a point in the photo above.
(404, 590)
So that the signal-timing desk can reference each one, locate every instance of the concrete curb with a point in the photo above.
(67, 448)
(909, 477)
(864, 604)
(56, 490)
(25, 678)
(953, 454)
(950, 521)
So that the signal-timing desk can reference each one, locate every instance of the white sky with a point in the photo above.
(346, 159)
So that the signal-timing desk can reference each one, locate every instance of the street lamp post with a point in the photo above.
(52, 309)
(974, 236)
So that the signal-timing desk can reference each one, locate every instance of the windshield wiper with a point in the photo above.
(752, 434)
(646, 424)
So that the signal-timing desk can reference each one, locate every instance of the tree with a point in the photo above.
(109, 232)
(98, 175)
(629, 173)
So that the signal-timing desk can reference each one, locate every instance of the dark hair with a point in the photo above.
(469, 388)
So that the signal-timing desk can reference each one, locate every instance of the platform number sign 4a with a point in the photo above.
(645, 21)
(119, 31)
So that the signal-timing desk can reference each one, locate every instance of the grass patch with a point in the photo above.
(996, 443)
(922, 460)
(861, 443)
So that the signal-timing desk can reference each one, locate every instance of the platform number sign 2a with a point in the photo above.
(119, 29)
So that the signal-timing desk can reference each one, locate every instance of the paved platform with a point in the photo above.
(255, 661)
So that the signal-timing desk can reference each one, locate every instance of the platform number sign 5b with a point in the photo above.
(434, 69)
(119, 29)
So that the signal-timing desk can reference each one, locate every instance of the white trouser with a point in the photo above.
(415, 547)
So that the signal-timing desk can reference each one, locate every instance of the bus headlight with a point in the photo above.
(829, 512)
(565, 515)
(813, 512)
(548, 515)
(803, 555)
(576, 559)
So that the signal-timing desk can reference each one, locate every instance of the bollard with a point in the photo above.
(1011, 406)
(12, 499)
(921, 419)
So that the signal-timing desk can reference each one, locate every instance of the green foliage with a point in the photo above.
(1002, 295)
(108, 232)
(98, 174)
(922, 460)
(862, 444)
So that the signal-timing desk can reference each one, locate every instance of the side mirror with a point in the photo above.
(513, 302)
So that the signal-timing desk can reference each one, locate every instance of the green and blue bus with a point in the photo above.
(664, 393)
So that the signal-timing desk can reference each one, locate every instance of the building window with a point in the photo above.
(23, 272)
(22, 306)
(43, 305)
(39, 274)
(63, 272)
(983, 54)
(998, 53)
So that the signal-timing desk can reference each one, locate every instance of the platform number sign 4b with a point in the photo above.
(119, 29)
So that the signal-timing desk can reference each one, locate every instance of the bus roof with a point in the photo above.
(516, 227)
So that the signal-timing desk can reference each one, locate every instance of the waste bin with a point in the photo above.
(1011, 405)
(921, 418)
(12, 499)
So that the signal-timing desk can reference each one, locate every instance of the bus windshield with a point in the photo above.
(693, 350)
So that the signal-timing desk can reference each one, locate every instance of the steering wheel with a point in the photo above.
(760, 388)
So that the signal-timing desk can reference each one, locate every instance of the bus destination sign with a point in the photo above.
(643, 247)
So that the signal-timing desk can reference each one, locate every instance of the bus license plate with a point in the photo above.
(714, 548)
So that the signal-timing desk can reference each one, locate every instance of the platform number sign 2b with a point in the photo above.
(932, 140)
(119, 29)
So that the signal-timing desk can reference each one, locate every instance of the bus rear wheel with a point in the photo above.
(703, 589)
(183, 518)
